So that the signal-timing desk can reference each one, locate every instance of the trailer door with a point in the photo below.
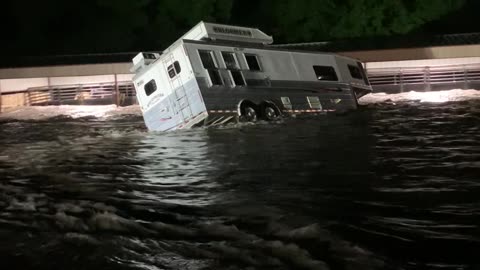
(180, 99)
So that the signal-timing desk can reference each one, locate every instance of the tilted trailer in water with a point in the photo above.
(216, 73)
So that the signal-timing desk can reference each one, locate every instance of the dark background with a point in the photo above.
(56, 27)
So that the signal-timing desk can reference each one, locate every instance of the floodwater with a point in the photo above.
(395, 185)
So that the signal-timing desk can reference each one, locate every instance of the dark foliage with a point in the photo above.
(100, 26)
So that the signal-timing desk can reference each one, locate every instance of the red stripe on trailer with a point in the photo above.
(165, 119)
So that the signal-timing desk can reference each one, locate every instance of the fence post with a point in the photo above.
(117, 92)
(0, 97)
(426, 79)
(401, 81)
(51, 98)
(79, 90)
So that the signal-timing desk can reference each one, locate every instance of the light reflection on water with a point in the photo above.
(392, 186)
(184, 172)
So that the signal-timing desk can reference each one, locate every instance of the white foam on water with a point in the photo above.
(427, 97)
(104, 221)
(109, 111)
(239, 254)
(352, 255)
(127, 110)
(138, 264)
(83, 238)
(172, 230)
(312, 231)
(107, 221)
(27, 205)
(225, 232)
(67, 222)
(69, 207)
(14, 223)
(104, 208)
(73, 111)
(110, 222)
(294, 255)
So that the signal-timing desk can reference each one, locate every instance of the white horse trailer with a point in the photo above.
(218, 73)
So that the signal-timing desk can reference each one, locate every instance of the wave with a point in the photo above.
(133, 112)
(423, 97)
(69, 112)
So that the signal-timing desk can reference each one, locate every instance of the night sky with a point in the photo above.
(54, 27)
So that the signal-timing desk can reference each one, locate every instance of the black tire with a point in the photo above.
(249, 113)
(270, 112)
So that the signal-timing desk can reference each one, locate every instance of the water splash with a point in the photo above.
(423, 97)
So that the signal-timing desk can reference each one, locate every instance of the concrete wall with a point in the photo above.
(13, 85)
(55, 81)
(10, 101)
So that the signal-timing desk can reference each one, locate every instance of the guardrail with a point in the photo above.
(425, 78)
(388, 80)
(120, 93)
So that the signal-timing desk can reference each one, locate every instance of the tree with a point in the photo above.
(96, 26)
(172, 18)
(317, 20)
(386, 17)
(58, 27)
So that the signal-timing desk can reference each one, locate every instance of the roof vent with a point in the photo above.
(213, 31)
(143, 59)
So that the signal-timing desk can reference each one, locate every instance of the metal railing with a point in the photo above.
(425, 78)
(120, 93)
(390, 80)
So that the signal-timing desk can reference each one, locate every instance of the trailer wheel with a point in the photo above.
(269, 111)
(248, 111)
(249, 114)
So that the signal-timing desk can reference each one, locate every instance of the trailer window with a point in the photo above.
(207, 58)
(208, 62)
(237, 77)
(355, 72)
(314, 102)
(178, 69)
(253, 63)
(232, 65)
(174, 69)
(286, 103)
(171, 71)
(325, 73)
(215, 77)
(230, 60)
(150, 87)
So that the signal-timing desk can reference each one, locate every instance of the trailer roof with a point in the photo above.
(256, 46)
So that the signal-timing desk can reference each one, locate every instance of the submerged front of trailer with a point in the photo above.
(167, 90)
